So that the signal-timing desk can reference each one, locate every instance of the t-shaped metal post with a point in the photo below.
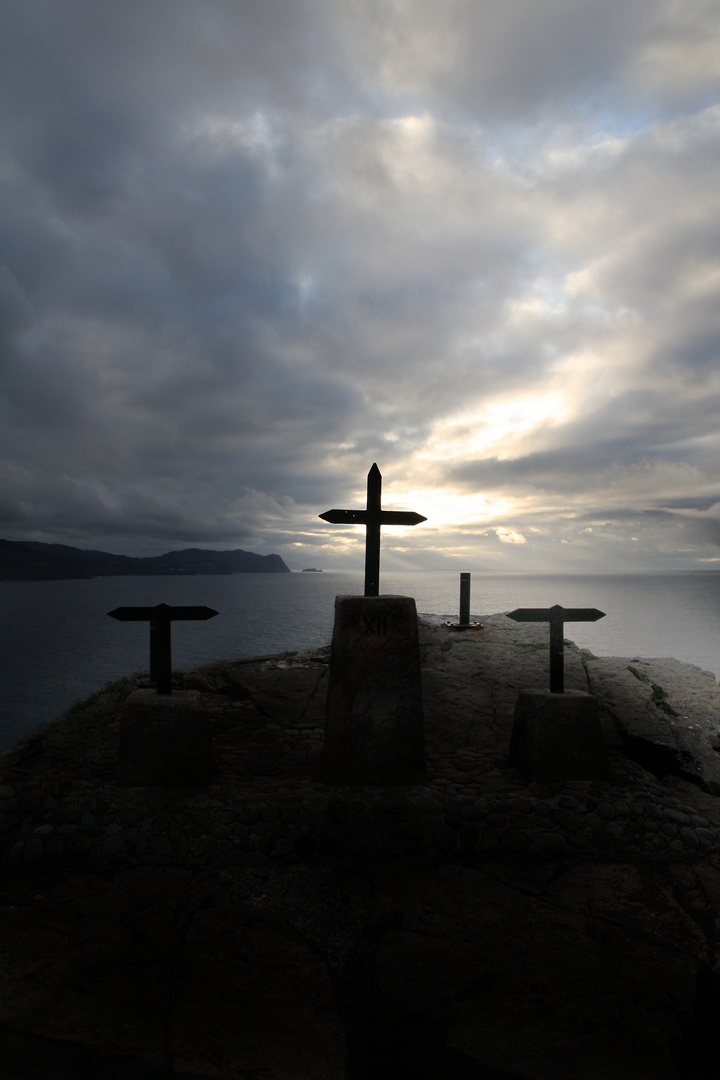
(556, 616)
(160, 618)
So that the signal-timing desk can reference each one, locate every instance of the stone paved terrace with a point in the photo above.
(59, 800)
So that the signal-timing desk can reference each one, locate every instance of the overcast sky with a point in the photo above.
(251, 247)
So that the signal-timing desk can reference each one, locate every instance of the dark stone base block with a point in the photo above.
(374, 731)
(165, 741)
(558, 737)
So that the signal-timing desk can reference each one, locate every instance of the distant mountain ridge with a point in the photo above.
(30, 560)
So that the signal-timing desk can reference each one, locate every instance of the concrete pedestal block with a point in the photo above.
(165, 741)
(374, 732)
(558, 737)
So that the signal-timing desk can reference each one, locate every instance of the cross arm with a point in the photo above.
(162, 611)
(364, 517)
(195, 611)
(557, 612)
(132, 614)
(345, 517)
(400, 517)
(530, 614)
(578, 614)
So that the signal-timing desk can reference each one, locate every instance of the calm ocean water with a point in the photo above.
(57, 643)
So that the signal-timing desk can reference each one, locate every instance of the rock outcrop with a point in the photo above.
(270, 926)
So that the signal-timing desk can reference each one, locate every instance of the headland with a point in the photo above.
(30, 560)
(271, 925)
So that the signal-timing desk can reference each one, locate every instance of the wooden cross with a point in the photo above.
(556, 616)
(160, 618)
(372, 517)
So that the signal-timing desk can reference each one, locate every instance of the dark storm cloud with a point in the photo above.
(247, 249)
(692, 502)
(686, 529)
(461, 50)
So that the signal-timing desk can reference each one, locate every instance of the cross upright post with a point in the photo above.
(372, 517)
(556, 616)
(372, 534)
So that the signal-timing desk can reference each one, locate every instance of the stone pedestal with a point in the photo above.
(374, 730)
(558, 737)
(165, 741)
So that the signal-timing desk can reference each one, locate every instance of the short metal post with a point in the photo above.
(464, 599)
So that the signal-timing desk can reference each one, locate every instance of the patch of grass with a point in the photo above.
(538, 646)
(114, 686)
(446, 646)
(658, 694)
(638, 675)
(660, 701)
(84, 703)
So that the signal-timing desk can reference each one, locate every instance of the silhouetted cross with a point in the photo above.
(556, 616)
(160, 618)
(372, 517)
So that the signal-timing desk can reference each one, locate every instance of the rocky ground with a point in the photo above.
(269, 926)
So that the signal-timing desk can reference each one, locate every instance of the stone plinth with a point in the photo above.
(558, 737)
(165, 741)
(374, 720)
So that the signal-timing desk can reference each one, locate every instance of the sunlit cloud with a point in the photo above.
(493, 429)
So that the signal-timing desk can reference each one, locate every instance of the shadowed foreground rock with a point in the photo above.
(160, 974)
(269, 926)
(165, 741)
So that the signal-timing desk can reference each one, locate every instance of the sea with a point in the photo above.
(57, 644)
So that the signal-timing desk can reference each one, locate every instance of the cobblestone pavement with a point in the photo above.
(59, 799)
